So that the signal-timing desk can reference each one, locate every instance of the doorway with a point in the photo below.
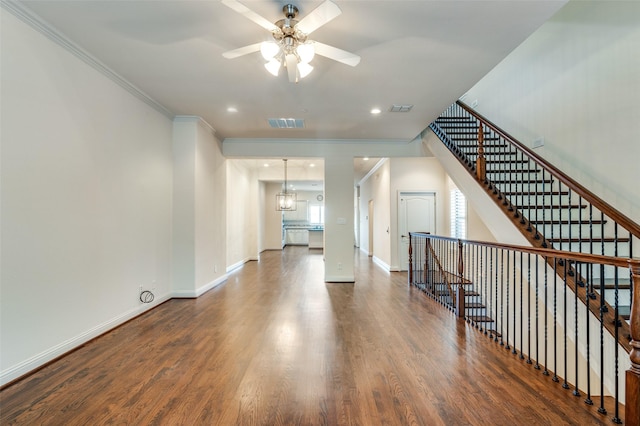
(416, 213)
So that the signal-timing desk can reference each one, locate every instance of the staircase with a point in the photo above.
(550, 209)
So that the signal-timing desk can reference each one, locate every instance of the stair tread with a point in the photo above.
(561, 206)
(538, 193)
(474, 305)
(586, 241)
(567, 222)
(480, 318)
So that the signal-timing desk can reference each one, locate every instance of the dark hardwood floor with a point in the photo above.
(275, 345)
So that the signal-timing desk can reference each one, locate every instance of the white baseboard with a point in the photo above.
(192, 294)
(50, 354)
(236, 265)
(381, 263)
(339, 279)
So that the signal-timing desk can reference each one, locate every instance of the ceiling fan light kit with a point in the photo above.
(291, 47)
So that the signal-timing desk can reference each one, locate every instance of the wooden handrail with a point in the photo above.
(580, 190)
(546, 252)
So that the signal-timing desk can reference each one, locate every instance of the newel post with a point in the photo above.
(460, 308)
(410, 260)
(632, 402)
(481, 162)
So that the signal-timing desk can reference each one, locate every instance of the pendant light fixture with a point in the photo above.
(285, 200)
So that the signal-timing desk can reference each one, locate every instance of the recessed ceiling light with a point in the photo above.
(366, 158)
(376, 111)
(312, 165)
(232, 109)
(266, 164)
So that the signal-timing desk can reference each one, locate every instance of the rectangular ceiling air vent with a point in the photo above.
(400, 108)
(286, 123)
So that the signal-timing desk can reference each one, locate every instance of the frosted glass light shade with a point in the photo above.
(269, 49)
(304, 69)
(286, 201)
(273, 66)
(306, 52)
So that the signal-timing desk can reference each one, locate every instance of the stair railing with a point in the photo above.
(520, 297)
(550, 208)
(528, 184)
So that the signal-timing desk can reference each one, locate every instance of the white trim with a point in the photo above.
(194, 119)
(321, 141)
(381, 263)
(339, 279)
(26, 15)
(372, 171)
(56, 351)
(192, 294)
(237, 265)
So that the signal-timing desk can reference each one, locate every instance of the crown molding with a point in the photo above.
(321, 141)
(194, 119)
(26, 15)
(372, 171)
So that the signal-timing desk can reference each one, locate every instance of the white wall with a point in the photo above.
(383, 186)
(242, 214)
(575, 83)
(270, 232)
(86, 199)
(416, 174)
(210, 210)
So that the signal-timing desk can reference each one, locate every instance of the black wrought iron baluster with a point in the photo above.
(589, 273)
(515, 329)
(546, 317)
(501, 298)
(603, 309)
(565, 262)
(618, 324)
(521, 307)
(490, 265)
(528, 309)
(544, 212)
(555, 319)
(580, 222)
(576, 392)
(561, 209)
(530, 210)
(507, 316)
(537, 366)
(483, 282)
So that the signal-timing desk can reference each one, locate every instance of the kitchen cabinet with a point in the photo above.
(300, 214)
(297, 237)
(316, 238)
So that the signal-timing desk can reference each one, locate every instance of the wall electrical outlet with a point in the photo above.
(339, 266)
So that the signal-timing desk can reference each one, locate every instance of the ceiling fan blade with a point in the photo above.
(318, 17)
(336, 54)
(250, 14)
(241, 51)
(292, 67)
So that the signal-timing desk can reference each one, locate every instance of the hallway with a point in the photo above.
(276, 345)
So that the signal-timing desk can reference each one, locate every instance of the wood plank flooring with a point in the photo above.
(275, 345)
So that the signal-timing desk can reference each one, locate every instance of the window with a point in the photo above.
(316, 214)
(458, 214)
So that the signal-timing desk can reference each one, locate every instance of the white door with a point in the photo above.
(416, 213)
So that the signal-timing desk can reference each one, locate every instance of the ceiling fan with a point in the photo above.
(291, 46)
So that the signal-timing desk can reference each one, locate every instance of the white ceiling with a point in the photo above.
(424, 53)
